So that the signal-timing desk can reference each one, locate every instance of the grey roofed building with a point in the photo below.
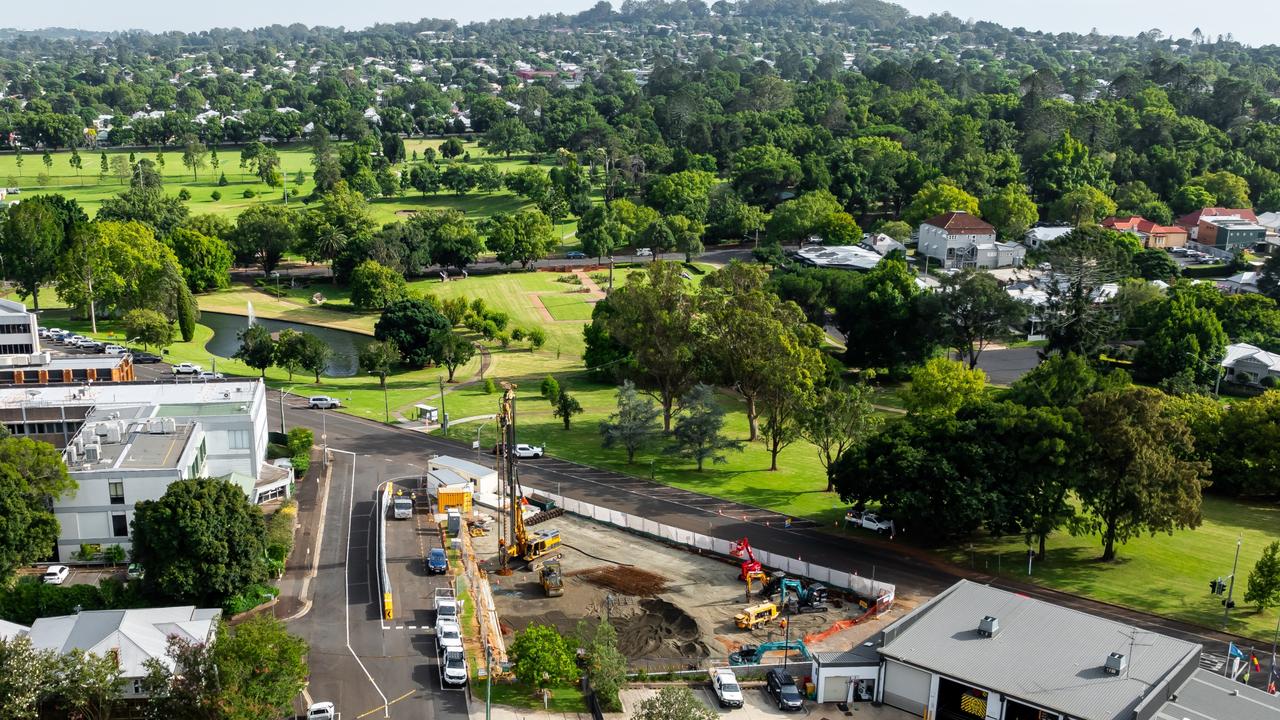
(132, 636)
(9, 631)
(1209, 696)
(1040, 657)
(840, 257)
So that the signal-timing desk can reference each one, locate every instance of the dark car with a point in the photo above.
(575, 255)
(437, 563)
(144, 358)
(783, 689)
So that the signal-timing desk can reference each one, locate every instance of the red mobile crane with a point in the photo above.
(751, 567)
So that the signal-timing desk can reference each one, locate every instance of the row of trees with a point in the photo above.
(292, 351)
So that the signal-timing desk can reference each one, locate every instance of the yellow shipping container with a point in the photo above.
(460, 499)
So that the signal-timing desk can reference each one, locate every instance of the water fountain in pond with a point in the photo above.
(249, 311)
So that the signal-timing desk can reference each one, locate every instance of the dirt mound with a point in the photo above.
(625, 580)
(657, 631)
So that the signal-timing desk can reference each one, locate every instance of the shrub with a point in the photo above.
(504, 339)
(280, 531)
(301, 463)
(222, 180)
(249, 598)
(537, 337)
(249, 193)
(184, 195)
(569, 279)
(550, 389)
(489, 329)
(216, 195)
(114, 554)
(300, 440)
(517, 334)
(489, 386)
(499, 319)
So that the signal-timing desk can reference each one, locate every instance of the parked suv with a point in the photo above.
(186, 369)
(322, 402)
(454, 668)
(783, 690)
(725, 683)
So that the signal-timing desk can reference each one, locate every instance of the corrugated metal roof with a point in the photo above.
(1045, 654)
(1209, 696)
(460, 466)
(137, 635)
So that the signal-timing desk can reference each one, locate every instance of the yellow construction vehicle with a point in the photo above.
(551, 579)
(516, 540)
(753, 617)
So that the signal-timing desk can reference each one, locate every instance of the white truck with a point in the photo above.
(725, 685)
(453, 668)
(869, 521)
(402, 507)
(448, 607)
(448, 637)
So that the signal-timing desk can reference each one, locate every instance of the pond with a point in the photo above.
(346, 345)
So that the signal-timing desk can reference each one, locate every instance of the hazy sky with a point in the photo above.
(1251, 21)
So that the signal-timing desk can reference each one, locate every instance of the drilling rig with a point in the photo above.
(515, 540)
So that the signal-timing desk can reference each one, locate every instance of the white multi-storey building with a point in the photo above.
(126, 443)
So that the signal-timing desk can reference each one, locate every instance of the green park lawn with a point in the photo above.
(1164, 574)
(90, 190)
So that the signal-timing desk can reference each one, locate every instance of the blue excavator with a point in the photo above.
(796, 596)
(754, 654)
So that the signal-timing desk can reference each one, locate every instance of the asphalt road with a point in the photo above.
(385, 452)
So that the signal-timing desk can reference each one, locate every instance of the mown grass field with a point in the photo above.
(1164, 574)
(89, 188)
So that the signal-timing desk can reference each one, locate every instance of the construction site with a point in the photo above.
(677, 600)
(672, 608)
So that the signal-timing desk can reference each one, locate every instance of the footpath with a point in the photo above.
(300, 569)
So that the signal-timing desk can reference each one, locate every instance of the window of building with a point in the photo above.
(239, 439)
(119, 525)
(116, 487)
(137, 686)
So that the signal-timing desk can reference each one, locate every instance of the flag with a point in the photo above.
(1235, 652)
(1256, 665)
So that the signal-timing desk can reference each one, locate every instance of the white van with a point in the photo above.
(402, 507)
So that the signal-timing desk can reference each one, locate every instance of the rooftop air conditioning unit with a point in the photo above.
(72, 455)
(988, 626)
(112, 434)
(92, 452)
(41, 358)
(1116, 664)
(170, 425)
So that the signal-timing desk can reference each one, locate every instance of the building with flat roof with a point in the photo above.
(1230, 233)
(18, 329)
(126, 443)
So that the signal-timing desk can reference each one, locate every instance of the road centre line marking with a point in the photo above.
(383, 707)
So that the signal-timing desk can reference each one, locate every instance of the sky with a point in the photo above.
(1250, 21)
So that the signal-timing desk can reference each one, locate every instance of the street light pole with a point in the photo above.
(444, 416)
(1226, 604)
(488, 680)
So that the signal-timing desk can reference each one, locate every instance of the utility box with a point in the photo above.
(449, 498)
(454, 522)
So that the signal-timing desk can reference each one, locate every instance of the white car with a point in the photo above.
(321, 711)
(322, 402)
(725, 684)
(206, 375)
(114, 350)
(454, 668)
(870, 521)
(75, 340)
(187, 369)
(644, 252)
(528, 451)
(448, 636)
(55, 574)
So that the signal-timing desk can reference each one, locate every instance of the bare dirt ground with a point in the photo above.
(672, 608)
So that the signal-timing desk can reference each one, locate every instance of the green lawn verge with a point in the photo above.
(1164, 574)
(568, 699)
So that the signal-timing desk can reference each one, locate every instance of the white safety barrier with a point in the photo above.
(881, 593)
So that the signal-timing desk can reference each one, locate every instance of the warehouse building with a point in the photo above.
(979, 653)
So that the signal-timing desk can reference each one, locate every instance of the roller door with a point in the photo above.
(906, 688)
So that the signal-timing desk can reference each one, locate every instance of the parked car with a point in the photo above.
(115, 350)
(206, 375)
(575, 255)
(644, 252)
(437, 562)
(869, 521)
(322, 402)
(454, 670)
(321, 711)
(528, 451)
(74, 340)
(134, 572)
(187, 369)
(93, 346)
(55, 574)
(42, 332)
(141, 357)
(783, 689)
(448, 636)
(725, 684)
